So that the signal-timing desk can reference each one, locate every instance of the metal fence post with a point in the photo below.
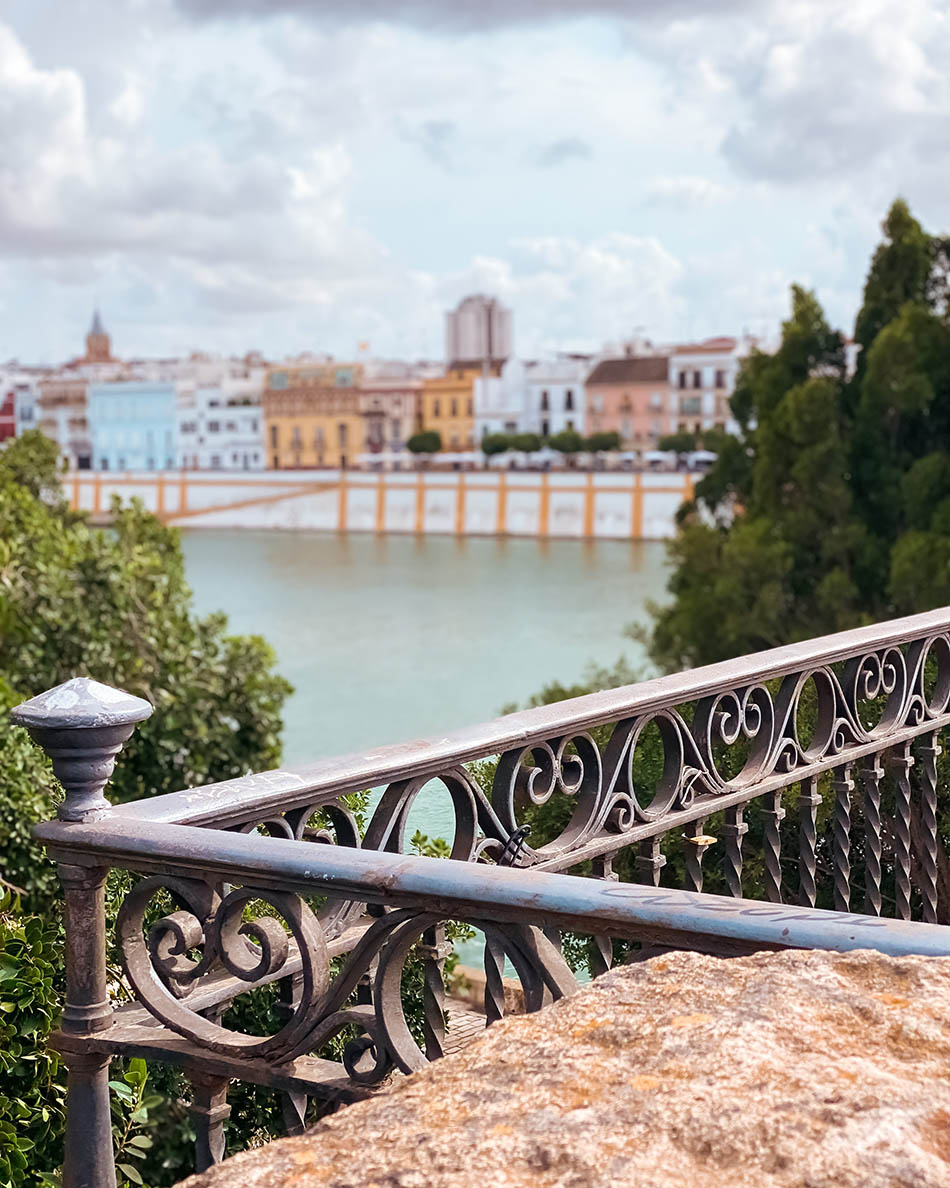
(82, 726)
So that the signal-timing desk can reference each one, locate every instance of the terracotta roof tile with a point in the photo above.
(634, 369)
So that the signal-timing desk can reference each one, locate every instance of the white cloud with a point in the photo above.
(687, 191)
(273, 179)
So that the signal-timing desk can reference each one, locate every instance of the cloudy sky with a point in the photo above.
(308, 174)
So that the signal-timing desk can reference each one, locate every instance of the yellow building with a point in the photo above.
(448, 406)
(312, 416)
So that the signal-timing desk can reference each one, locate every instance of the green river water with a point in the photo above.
(388, 639)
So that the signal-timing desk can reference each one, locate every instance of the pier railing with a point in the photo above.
(790, 782)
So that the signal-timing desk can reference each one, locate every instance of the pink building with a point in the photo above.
(631, 396)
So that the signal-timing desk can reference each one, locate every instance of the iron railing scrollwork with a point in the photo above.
(809, 776)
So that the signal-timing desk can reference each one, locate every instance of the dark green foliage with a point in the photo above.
(501, 443)
(833, 506)
(32, 1085)
(495, 443)
(28, 793)
(428, 441)
(678, 443)
(115, 606)
(602, 442)
(568, 441)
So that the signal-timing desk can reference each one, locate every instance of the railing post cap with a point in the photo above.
(81, 704)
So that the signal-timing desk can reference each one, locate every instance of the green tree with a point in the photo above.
(831, 507)
(678, 443)
(426, 441)
(602, 442)
(495, 443)
(113, 605)
(116, 606)
(568, 442)
(527, 443)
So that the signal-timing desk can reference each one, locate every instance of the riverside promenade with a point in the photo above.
(569, 504)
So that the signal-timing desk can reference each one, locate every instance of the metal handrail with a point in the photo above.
(680, 919)
(274, 790)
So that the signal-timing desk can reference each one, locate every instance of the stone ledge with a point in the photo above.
(818, 1070)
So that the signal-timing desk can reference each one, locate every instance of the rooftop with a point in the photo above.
(634, 369)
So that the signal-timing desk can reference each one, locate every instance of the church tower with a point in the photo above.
(98, 346)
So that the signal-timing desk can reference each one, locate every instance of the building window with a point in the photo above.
(341, 436)
(454, 408)
(690, 405)
(214, 426)
(545, 402)
(681, 379)
(295, 442)
(569, 424)
(569, 401)
(656, 400)
(273, 437)
(545, 428)
(275, 462)
(215, 461)
(469, 407)
(435, 407)
(720, 379)
(697, 379)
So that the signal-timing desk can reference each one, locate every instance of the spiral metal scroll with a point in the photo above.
(725, 743)
(175, 967)
(866, 699)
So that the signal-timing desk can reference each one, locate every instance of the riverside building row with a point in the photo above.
(311, 412)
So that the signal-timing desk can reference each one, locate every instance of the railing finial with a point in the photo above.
(82, 726)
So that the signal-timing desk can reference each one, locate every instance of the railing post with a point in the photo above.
(82, 726)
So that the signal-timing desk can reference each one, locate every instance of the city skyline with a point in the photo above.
(225, 178)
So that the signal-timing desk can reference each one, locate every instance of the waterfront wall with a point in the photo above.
(640, 506)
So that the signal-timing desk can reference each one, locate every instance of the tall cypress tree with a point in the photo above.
(832, 508)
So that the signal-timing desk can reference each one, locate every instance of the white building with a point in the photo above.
(220, 424)
(702, 379)
(501, 401)
(554, 394)
(478, 330)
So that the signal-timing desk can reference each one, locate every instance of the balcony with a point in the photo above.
(614, 824)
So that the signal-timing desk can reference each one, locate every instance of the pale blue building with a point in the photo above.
(133, 425)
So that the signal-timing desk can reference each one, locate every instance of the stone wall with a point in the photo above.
(602, 505)
(797, 1068)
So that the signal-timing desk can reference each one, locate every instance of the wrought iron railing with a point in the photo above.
(809, 776)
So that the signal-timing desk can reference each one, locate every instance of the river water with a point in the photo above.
(388, 639)
(392, 638)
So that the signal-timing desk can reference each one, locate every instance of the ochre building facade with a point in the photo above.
(312, 417)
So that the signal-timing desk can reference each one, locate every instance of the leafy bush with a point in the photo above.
(32, 1080)
(115, 606)
(428, 441)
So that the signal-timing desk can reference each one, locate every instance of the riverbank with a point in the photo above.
(608, 505)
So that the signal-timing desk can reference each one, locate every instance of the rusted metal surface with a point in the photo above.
(272, 882)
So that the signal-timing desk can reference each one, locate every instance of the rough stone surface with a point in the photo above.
(819, 1070)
